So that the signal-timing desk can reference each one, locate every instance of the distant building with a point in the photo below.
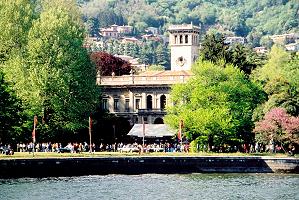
(165, 39)
(124, 29)
(234, 40)
(260, 49)
(115, 31)
(292, 47)
(152, 30)
(152, 37)
(130, 40)
(109, 32)
(285, 38)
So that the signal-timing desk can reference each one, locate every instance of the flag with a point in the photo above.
(89, 130)
(143, 131)
(34, 127)
(33, 135)
(143, 127)
(179, 135)
(90, 122)
(180, 130)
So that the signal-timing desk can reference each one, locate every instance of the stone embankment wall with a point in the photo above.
(44, 167)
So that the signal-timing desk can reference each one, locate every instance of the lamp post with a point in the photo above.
(89, 130)
(143, 131)
(113, 126)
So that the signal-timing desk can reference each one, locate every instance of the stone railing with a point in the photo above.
(182, 26)
(142, 80)
(151, 111)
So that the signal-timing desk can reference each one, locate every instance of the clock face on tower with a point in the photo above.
(180, 61)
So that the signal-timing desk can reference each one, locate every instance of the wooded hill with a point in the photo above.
(253, 19)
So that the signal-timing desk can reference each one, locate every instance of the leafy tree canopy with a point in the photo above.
(215, 50)
(108, 64)
(156, 68)
(16, 20)
(10, 113)
(53, 75)
(216, 105)
(278, 127)
(279, 78)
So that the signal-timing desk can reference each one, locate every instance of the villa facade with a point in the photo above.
(146, 95)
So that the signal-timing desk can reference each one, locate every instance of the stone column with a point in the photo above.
(143, 101)
(132, 101)
(110, 104)
(154, 100)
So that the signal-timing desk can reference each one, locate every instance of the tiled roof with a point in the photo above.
(166, 73)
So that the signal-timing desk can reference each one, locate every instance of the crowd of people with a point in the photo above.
(153, 147)
(115, 147)
(52, 147)
(76, 147)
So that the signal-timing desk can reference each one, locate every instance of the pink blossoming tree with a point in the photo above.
(279, 127)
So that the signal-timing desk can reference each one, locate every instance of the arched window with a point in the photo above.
(159, 121)
(162, 102)
(149, 102)
(186, 39)
(181, 39)
(175, 39)
(105, 104)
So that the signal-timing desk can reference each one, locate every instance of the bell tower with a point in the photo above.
(184, 45)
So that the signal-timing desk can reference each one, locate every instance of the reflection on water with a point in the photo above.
(155, 186)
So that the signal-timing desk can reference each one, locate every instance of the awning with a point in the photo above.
(151, 130)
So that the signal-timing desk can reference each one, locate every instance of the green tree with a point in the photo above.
(156, 68)
(55, 78)
(216, 105)
(146, 54)
(16, 20)
(279, 78)
(243, 57)
(10, 113)
(213, 48)
(162, 56)
(135, 50)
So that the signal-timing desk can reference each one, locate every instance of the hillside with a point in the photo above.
(253, 19)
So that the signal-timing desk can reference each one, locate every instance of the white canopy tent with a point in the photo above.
(151, 130)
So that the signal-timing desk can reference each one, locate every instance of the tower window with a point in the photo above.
(181, 39)
(175, 39)
(186, 39)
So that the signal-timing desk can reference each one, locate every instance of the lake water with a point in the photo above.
(154, 186)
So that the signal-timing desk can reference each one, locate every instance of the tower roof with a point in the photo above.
(183, 28)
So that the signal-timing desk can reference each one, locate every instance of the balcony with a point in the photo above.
(166, 77)
(151, 111)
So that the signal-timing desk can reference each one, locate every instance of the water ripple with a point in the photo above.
(154, 186)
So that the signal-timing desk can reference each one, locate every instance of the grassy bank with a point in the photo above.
(118, 154)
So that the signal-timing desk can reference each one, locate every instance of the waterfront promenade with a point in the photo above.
(88, 164)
